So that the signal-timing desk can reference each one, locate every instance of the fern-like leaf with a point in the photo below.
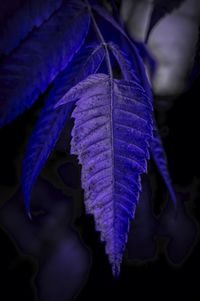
(50, 122)
(111, 136)
(157, 149)
(30, 14)
(27, 72)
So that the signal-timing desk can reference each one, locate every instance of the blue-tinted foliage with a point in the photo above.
(160, 159)
(113, 129)
(30, 14)
(28, 71)
(51, 121)
(111, 136)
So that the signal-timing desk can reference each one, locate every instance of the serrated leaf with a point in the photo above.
(31, 68)
(50, 122)
(111, 136)
(30, 14)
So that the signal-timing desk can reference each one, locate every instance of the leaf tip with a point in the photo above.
(29, 215)
(28, 212)
(116, 270)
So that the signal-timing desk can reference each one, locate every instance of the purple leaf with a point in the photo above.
(51, 121)
(160, 9)
(31, 68)
(160, 159)
(157, 149)
(111, 137)
(30, 14)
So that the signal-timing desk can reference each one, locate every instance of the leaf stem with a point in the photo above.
(101, 38)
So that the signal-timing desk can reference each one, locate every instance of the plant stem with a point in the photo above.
(101, 38)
